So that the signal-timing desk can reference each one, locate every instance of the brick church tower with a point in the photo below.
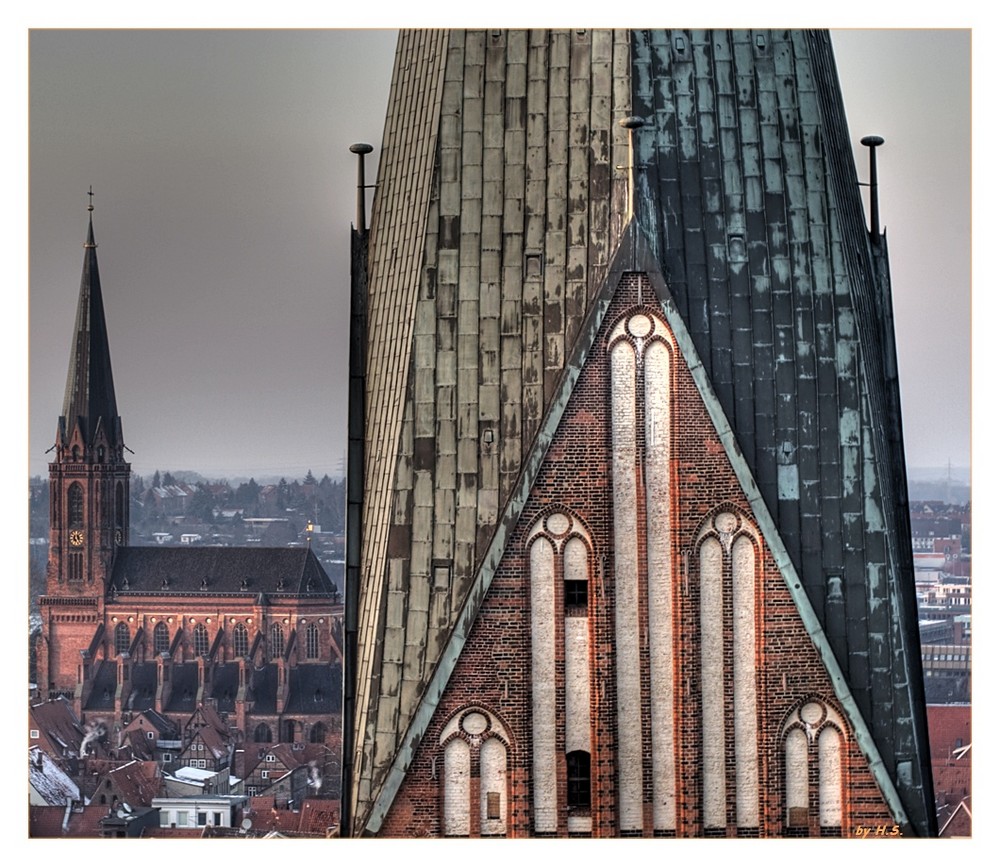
(89, 491)
(628, 540)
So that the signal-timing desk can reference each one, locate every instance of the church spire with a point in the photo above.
(90, 391)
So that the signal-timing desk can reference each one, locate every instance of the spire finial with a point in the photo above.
(90, 243)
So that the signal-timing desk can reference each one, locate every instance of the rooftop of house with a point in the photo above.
(49, 781)
(316, 818)
(950, 728)
(188, 774)
(56, 719)
(136, 783)
(48, 822)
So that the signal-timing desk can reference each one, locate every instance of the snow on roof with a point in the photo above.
(198, 775)
(49, 780)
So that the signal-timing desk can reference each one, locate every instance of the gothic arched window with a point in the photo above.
(559, 556)
(317, 735)
(277, 640)
(161, 638)
(813, 738)
(122, 637)
(200, 640)
(262, 734)
(74, 501)
(119, 505)
(312, 641)
(468, 732)
(640, 358)
(241, 642)
(727, 566)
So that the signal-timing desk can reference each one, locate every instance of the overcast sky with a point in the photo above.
(224, 192)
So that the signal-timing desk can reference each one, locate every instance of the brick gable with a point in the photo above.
(494, 671)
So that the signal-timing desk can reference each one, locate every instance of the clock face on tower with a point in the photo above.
(76, 538)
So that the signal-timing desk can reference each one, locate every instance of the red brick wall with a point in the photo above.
(494, 669)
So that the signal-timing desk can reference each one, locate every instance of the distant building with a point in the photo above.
(198, 811)
(243, 636)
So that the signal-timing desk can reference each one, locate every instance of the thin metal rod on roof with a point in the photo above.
(361, 148)
(631, 123)
(871, 142)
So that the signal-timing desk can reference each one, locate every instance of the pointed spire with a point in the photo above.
(90, 390)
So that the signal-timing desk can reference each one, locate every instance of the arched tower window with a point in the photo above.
(200, 637)
(262, 734)
(558, 548)
(74, 505)
(122, 637)
(317, 734)
(288, 731)
(277, 640)
(312, 641)
(161, 638)
(119, 505)
(241, 643)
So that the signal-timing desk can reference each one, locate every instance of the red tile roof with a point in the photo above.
(950, 730)
(48, 821)
(55, 719)
(137, 783)
(319, 815)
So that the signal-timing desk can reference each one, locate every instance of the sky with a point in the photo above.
(224, 192)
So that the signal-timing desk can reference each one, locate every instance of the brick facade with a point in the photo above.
(494, 671)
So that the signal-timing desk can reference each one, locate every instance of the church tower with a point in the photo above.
(633, 551)
(89, 491)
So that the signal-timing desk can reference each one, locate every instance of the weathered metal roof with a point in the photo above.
(277, 572)
(750, 194)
